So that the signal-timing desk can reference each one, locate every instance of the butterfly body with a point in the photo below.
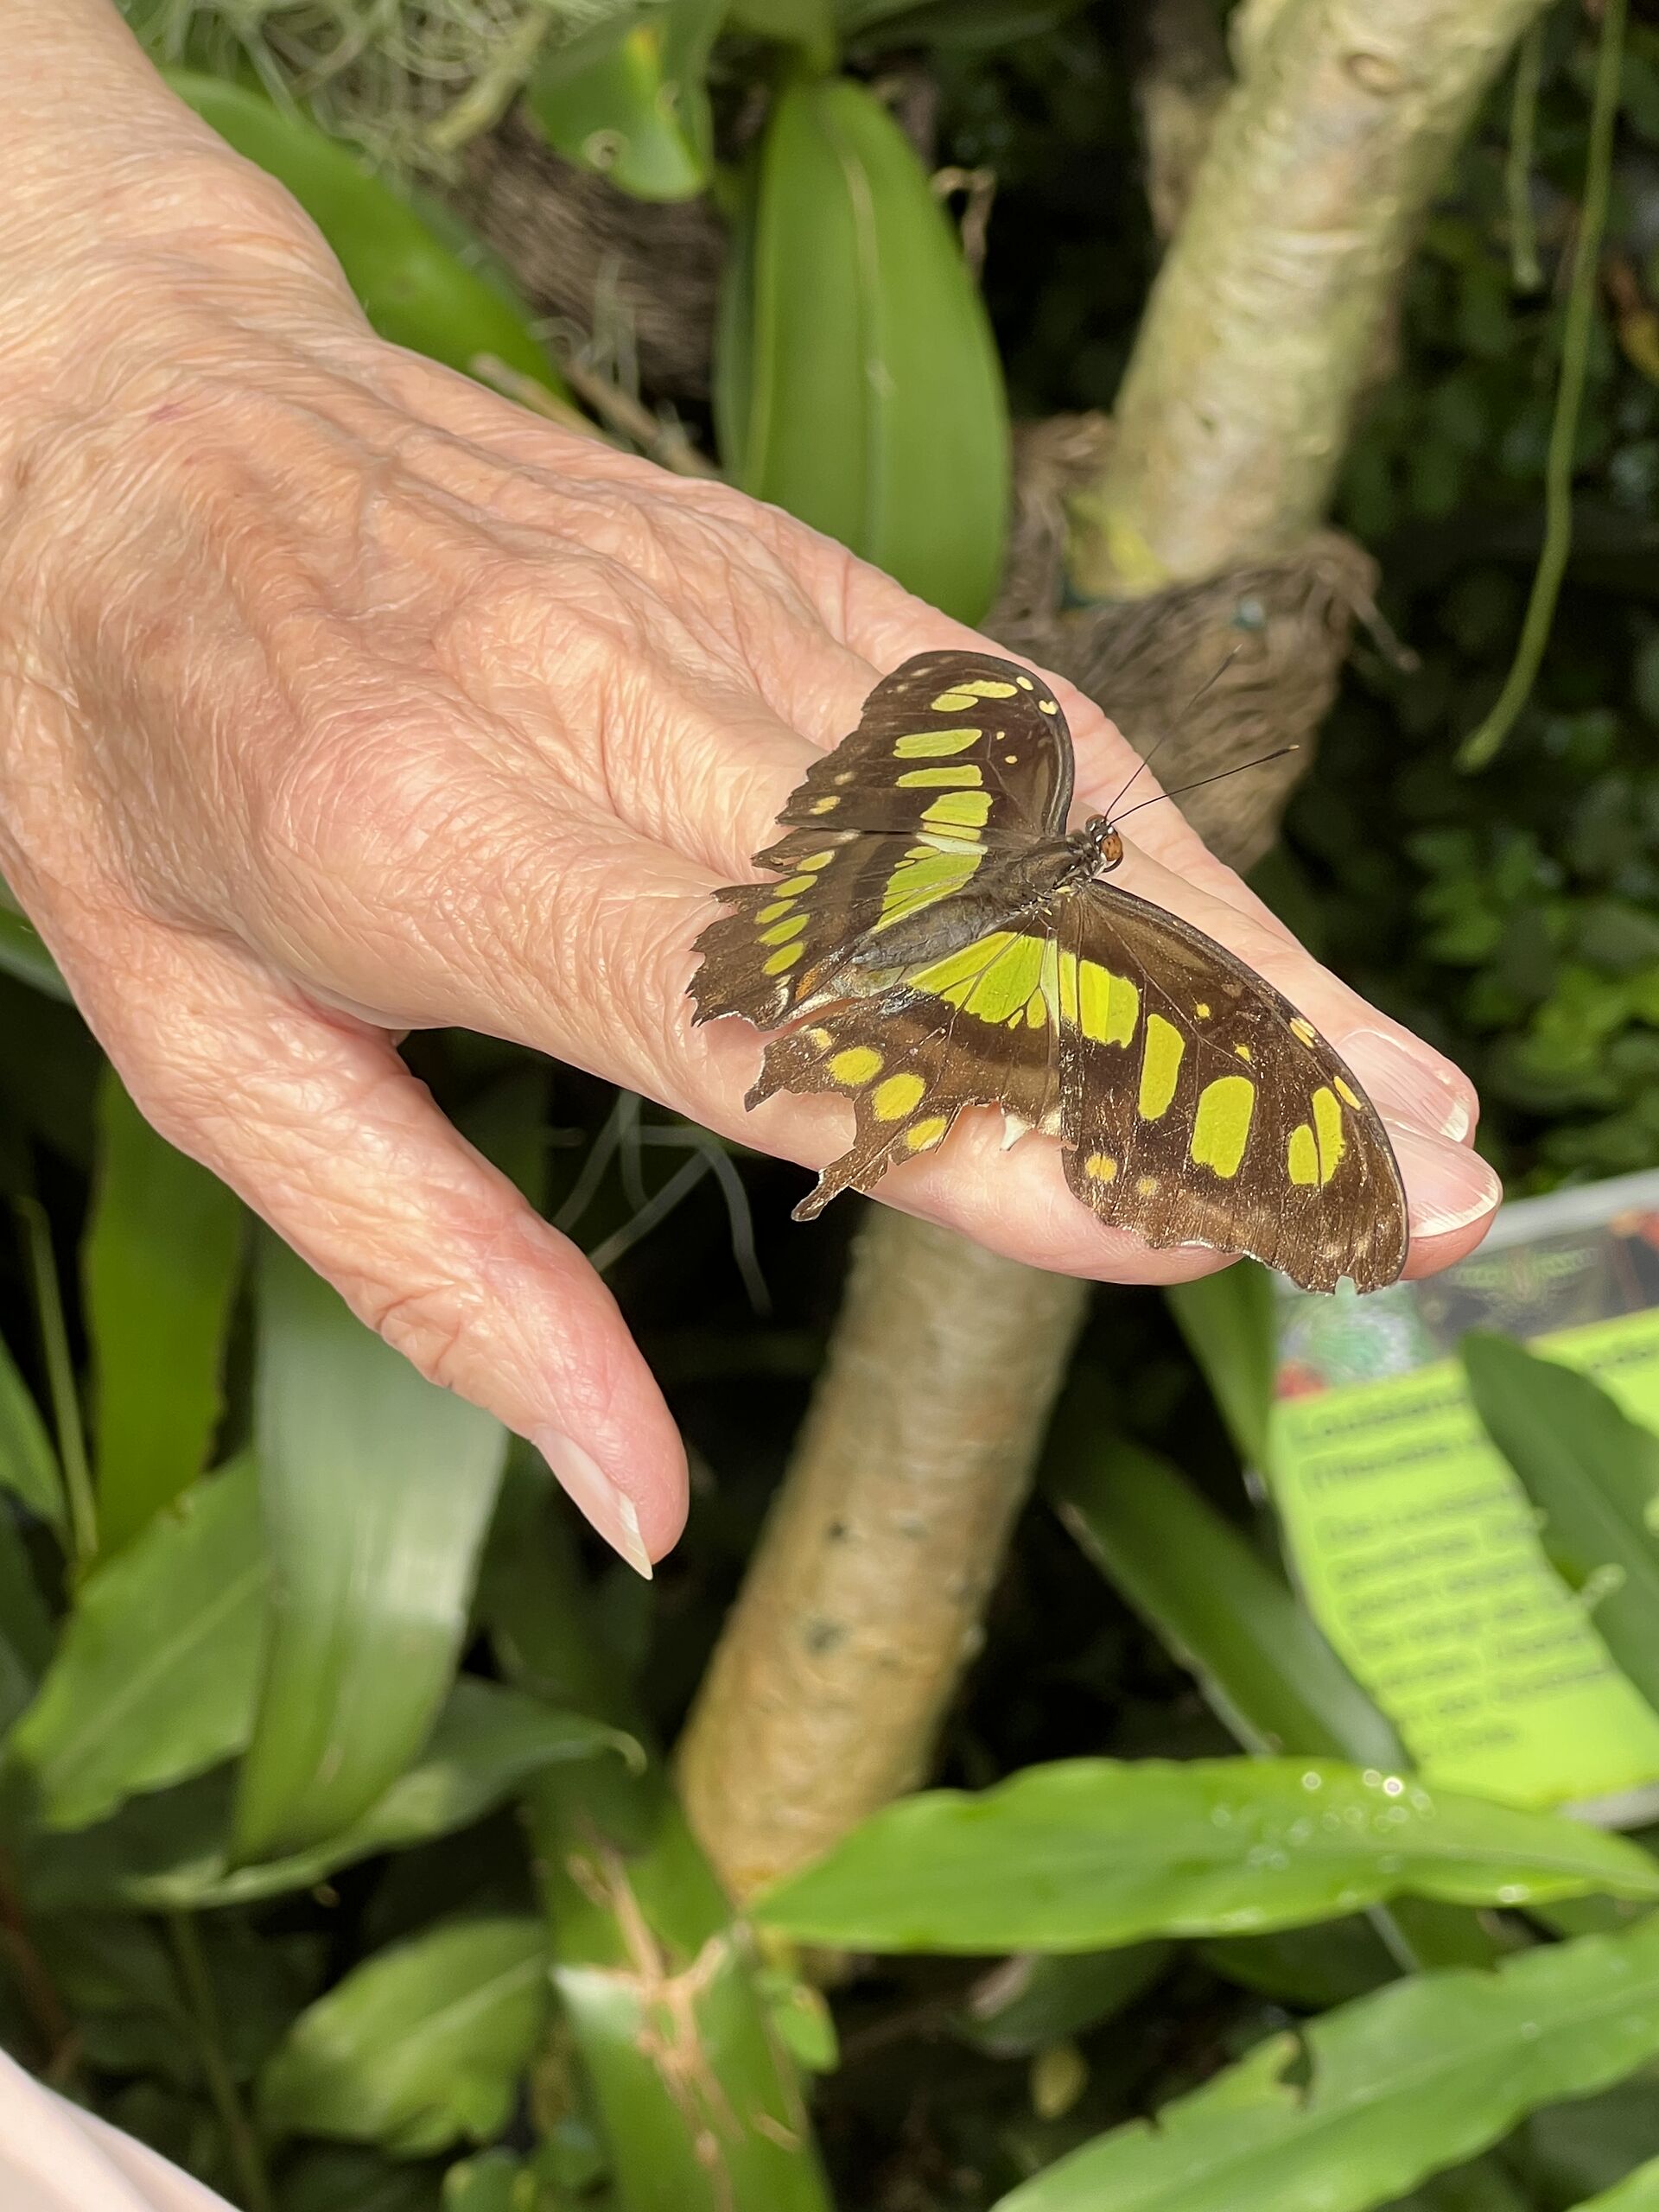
(934, 938)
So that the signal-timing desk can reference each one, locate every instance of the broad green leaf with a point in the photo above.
(1311, 1969)
(1090, 1853)
(420, 2047)
(377, 1489)
(1039, 1999)
(160, 1264)
(495, 2181)
(488, 1742)
(1637, 2192)
(1593, 1474)
(1261, 1663)
(412, 288)
(154, 1679)
(1227, 1322)
(1369, 2099)
(857, 383)
(29, 1466)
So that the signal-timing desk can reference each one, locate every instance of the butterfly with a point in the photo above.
(930, 938)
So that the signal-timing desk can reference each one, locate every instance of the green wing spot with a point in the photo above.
(935, 744)
(923, 876)
(1160, 1066)
(1222, 1128)
(965, 778)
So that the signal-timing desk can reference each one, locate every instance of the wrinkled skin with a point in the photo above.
(339, 697)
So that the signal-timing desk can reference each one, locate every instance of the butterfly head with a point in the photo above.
(1101, 844)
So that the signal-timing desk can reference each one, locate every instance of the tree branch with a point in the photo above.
(863, 1601)
(1237, 408)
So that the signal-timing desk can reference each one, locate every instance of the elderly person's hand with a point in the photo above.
(338, 696)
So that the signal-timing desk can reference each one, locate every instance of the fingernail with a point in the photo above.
(606, 1507)
(1403, 1086)
(1448, 1185)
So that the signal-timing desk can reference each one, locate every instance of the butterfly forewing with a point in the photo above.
(956, 755)
(962, 747)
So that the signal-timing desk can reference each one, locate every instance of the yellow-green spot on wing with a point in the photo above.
(782, 959)
(771, 913)
(924, 875)
(920, 1135)
(964, 695)
(1327, 1132)
(1161, 1067)
(990, 978)
(1108, 1006)
(1221, 1128)
(855, 1065)
(794, 887)
(894, 1098)
(782, 932)
(963, 810)
(1302, 1155)
(965, 778)
(935, 744)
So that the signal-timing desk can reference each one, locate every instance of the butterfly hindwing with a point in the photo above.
(968, 1029)
(1200, 1106)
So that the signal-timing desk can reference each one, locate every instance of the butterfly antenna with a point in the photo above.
(1181, 790)
(1209, 683)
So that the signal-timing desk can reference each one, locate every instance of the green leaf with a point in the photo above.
(700, 2100)
(1036, 1999)
(637, 112)
(154, 1679)
(23, 954)
(420, 2047)
(29, 1466)
(1089, 1852)
(1593, 1474)
(1227, 1322)
(160, 1261)
(378, 1489)
(495, 2181)
(1637, 2192)
(488, 1743)
(336, 2179)
(412, 288)
(1311, 1969)
(1262, 1663)
(856, 381)
(25, 1633)
(1369, 2099)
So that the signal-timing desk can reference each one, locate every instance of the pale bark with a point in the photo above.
(1267, 314)
(863, 1601)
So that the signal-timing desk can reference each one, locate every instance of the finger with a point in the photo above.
(317, 1124)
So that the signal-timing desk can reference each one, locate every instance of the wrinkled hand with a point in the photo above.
(339, 697)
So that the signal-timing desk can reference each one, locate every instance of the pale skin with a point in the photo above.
(339, 697)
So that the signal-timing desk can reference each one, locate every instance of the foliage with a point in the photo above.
(338, 1856)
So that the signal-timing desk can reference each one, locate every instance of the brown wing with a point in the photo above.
(956, 754)
(971, 1029)
(1200, 1106)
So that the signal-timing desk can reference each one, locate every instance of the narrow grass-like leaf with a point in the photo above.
(1593, 1474)
(23, 954)
(377, 1489)
(1261, 1663)
(1227, 1320)
(169, 1851)
(159, 1263)
(155, 1677)
(29, 1466)
(1371, 2098)
(1090, 1853)
(25, 1627)
(420, 2047)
